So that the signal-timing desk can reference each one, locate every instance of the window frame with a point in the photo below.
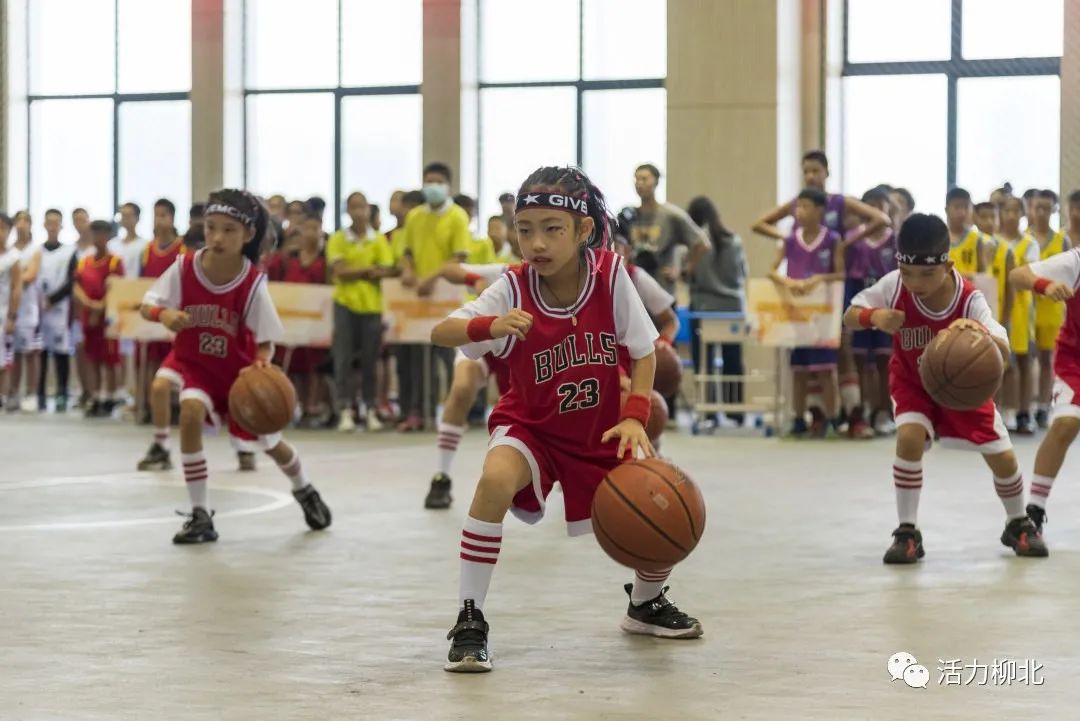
(955, 69)
(117, 99)
(580, 85)
(339, 92)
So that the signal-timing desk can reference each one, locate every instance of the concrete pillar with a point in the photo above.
(207, 96)
(4, 93)
(1070, 100)
(441, 87)
(811, 81)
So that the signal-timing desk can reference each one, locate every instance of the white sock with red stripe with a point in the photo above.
(195, 475)
(294, 472)
(850, 393)
(449, 438)
(907, 477)
(648, 585)
(1011, 492)
(1040, 490)
(480, 543)
(161, 437)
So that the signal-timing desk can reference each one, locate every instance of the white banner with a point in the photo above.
(779, 319)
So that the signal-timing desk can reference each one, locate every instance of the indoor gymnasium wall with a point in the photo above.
(1070, 99)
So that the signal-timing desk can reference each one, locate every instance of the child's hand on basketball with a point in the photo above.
(257, 363)
(516, 323)
(632, 436)
(1058, 291)
(175, 320)
(968, 324)
(888, 320)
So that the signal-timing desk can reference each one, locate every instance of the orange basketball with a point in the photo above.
(668, 375)
(262, 400)
(648, 515)
(658, 417)
(961, 368)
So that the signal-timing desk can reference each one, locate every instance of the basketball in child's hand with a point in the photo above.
(961, 369)
(648, 515)
(262, 400)
(668, 375)
(658, 417)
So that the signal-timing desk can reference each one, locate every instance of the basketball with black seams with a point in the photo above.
(961, 369)
(648, 514)
(668, 375)
(262, 400)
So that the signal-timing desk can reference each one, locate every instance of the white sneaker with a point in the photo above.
(884, 425)
(29, 405)
(374, 425)
(1008, 417)
(346, 424)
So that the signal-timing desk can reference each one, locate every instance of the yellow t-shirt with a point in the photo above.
(373, 250)
(434, 237)
(965, 254)
(481, 251)
(998, 268)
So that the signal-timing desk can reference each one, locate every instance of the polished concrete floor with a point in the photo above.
(101, 617)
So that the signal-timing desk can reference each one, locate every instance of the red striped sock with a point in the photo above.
(1040, 490)
(907, 477)
(161, 437)
(480, 544)
(449, 438)
(195, 475)
(648, 585)
(1011, 492)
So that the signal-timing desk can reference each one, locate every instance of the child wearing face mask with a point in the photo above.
(435, 233)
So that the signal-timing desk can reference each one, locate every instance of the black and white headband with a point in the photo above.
(917, 259)
(231, 211)
(556, 201)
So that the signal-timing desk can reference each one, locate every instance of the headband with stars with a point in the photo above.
(557, 201)
(917, 259)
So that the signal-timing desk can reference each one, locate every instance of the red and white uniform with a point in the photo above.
(92, 274)
(228, 323)
(981, 429)
(153, 264)
(564, 380)
(1065, 268)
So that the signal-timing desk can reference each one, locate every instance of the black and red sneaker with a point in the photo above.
(906, 546)
(1023, 538)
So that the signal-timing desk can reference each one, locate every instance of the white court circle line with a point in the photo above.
(278, 500)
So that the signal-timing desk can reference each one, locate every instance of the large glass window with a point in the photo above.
(332, 99)
(595, 96)
(107, 115)
(973, 86)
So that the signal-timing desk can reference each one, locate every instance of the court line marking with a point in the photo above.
(278, 500)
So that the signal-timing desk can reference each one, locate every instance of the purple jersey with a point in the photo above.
(871, 260)
(834, 212)
(814, 258)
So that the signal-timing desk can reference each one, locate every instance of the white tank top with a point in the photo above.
(54, 268)
(30, 305)
(8, 258)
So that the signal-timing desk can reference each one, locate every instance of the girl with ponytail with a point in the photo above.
(562, 322)
(216, 302)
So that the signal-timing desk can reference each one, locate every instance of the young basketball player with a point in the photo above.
(102, 354)
(10, 296)
(813, 257)
(558, 321)
(58, 265)
(217, 303)
(965, 242)
(26, 342)
(924, 297)
(1025, 249)
(870, 254)
(1049, 314)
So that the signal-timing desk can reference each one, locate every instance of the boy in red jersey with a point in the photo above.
(1057, 278)
(216, 302)
(558, 321)
(924, 297)
(102, 354)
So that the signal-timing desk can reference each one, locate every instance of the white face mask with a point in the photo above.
(436, 193)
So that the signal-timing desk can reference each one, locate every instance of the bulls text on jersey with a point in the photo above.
(918, 337)
(599, 350)
(214, 316)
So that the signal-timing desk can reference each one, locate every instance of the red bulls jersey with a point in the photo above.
(92, 274)
(156, 260)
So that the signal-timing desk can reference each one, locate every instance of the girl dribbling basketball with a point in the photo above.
(217, 303)
(560, 321)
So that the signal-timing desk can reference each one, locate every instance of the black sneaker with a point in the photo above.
(1022, 537)
(156, 459)
(42, 404)
(819, 424)
(468, 642)
(1024, 426)
(439, 494)
(246, 460)
(659, 617)
(1037, 516)
(198, 528)
(906, 546)
(1042, 418)
(84, 400)
(93, 409)
(316, 513)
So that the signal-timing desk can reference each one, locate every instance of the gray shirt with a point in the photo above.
(655, 236)
(719, 279)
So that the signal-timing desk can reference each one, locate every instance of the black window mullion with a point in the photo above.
(956, 36)
(116, 107)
